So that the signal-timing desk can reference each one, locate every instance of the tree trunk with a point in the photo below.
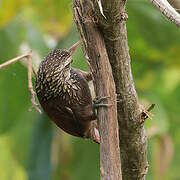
(102, 27)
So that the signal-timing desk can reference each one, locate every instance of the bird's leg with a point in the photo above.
(97, 102)
(94, 132)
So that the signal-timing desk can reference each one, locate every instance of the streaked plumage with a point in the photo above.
(64, 94)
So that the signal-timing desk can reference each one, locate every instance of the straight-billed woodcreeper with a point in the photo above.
(64, 94)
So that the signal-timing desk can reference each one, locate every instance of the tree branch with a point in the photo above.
(132, 135)
(28, 56)
(12, 61)
(175, 4)
(95, 51)
(166, 9)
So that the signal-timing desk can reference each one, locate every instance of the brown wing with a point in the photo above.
(65, 118)
(83, 109)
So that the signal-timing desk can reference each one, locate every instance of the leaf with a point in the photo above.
(39, 159)
(9, 167)
(9, 9)
(151, 37)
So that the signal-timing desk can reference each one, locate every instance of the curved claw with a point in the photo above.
(97, 102)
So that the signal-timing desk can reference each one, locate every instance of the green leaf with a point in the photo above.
(39, 159)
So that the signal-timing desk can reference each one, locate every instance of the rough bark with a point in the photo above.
(107, 18)
(167, 10)
(96, 54)
(132, 135)
(175, 4)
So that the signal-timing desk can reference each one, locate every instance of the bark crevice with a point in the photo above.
(96, 54)
(104, 37)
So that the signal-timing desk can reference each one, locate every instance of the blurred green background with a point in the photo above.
(31, 147)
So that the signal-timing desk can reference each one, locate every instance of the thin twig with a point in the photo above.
(28, 56)
(30, 86)
(96, 54)
(150, 107)
(146, 114)
(12, 61)
(166, 9)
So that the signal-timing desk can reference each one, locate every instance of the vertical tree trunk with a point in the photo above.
(95, 51)
(102, 26)
(132, 135)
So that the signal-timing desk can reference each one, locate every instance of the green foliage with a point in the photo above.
(31, 147)
(39, 158)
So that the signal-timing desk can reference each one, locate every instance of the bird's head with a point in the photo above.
(60, 60)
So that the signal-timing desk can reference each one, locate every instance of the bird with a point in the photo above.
(64, 94)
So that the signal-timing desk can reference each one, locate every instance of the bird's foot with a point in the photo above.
(98, 102)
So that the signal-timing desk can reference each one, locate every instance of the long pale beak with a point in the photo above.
(73, 48)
